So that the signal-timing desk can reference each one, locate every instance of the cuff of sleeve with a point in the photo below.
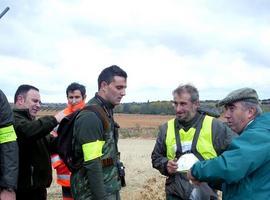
(165, 168)
(9, 189)
(192, 171)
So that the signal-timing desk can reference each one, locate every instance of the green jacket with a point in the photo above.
(8, 146)
(244, 168)
(34, 157)
(92, 145)
(178, 184)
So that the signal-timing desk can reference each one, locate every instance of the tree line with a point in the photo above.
(155, 107)
(159, 107)
(166, 108)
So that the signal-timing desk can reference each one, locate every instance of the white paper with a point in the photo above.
(186, 161)
(186, 146)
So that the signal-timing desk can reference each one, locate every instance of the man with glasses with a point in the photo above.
(193, 135)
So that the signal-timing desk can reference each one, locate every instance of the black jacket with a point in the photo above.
(34, 156)
(8, 150)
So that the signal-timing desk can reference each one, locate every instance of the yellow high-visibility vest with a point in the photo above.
(204, 144)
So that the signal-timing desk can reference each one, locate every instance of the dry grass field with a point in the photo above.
(142, 121)
(130, 120)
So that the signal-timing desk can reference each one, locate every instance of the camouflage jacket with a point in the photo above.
(94, 180)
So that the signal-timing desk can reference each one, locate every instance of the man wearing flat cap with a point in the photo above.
(244, 167)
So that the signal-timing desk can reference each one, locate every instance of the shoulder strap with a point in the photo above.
(101, 115)
(178, 141)
(196, 137)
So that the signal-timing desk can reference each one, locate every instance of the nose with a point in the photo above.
(178, 107)
(74, 101)
(226, 114)
(38, 104)
(123, 92)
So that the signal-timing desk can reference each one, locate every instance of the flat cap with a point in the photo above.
(243, 94)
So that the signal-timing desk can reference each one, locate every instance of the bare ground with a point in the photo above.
(143, 182)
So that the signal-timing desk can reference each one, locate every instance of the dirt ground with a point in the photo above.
(143, 182)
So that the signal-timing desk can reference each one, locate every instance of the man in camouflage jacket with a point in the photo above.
(95, 146)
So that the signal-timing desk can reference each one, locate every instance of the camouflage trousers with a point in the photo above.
(81, 190)
(115, 196)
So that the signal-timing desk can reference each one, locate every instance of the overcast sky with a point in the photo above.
(218, 46)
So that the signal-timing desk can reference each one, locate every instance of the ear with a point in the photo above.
(251, 113)
(103, 86)
(84, 97)
(20, 100)
(197, 103)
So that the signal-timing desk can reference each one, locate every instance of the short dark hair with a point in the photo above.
(76, 86)
(194, 94)
(22, 90)
(109, 73)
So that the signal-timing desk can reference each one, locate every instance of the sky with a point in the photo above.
(218, 46)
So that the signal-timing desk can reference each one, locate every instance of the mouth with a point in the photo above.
(229, 124)
(179, 114)
(35, 110)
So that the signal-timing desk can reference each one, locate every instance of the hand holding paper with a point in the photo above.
(186, 161)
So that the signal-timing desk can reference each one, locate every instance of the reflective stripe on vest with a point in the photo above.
(63, 180)
(204, 144)
(63, 177)
(7, 134)
(56, 160)
(92, 150)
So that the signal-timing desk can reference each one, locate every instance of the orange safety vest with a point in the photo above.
(63, 173)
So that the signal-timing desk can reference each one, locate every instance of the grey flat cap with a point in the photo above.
(243, 94)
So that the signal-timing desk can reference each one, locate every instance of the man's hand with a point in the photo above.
(59, 116)
(7, 195)
(172, 166)
(192, 178)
